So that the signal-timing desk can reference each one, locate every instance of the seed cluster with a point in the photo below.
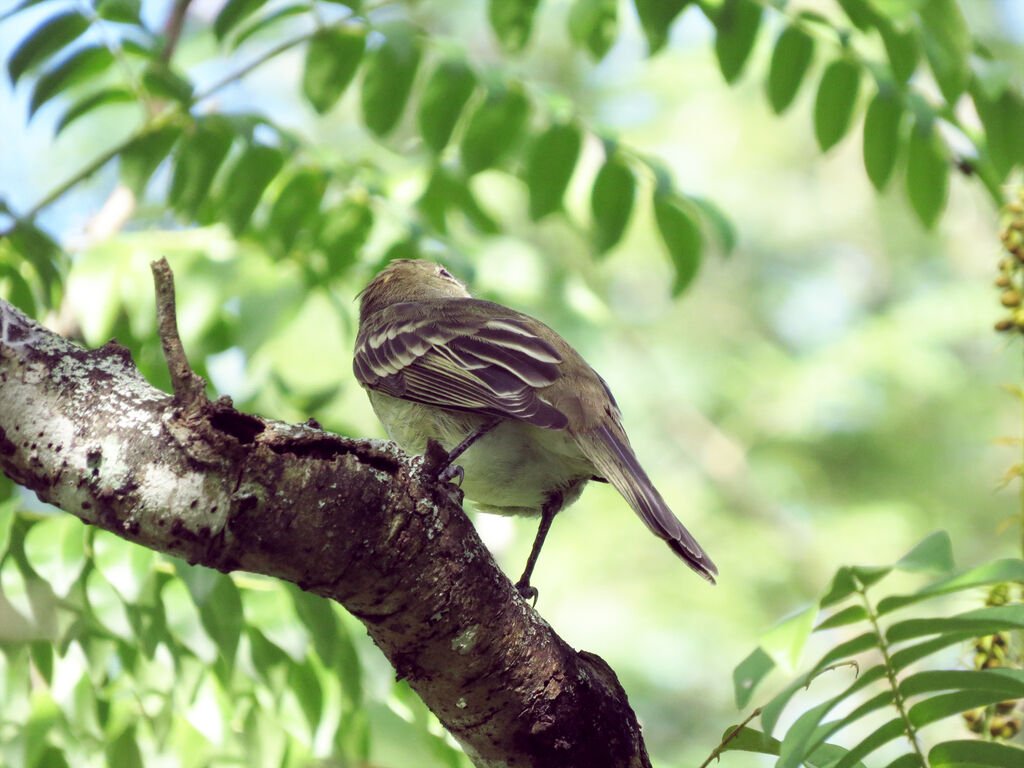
(1011, 268)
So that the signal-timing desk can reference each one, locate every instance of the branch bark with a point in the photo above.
(356, 521)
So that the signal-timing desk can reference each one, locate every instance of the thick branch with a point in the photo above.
(352, 520)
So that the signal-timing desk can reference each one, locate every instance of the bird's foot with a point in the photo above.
(526, 591)
(449, 473)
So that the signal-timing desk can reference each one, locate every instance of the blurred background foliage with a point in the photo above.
(826, 391)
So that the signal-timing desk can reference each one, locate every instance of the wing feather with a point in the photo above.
(469, 361)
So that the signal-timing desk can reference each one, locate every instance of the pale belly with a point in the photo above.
(512, 470)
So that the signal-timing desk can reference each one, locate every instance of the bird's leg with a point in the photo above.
(547, 514)
(447, 469)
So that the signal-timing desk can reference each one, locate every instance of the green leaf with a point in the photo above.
(124, 750)
(927, 172)
(219, 604)
(550, 161)
(983, 575)
(121, 11)
(446, 191)
(196, 162)
(593, 24)
(332, 59)
(1008, 682)
(680, 231)
(611, 201)
(882, 137)
(720, 224)
(748, 674)
(318, 616)
(790, 60)
(246, 181)
(749, 740)
(880, 736)
(1003, 120)
(19, 293)
(46, 39)
(849, 615)
(388, 79)
(903, 48)
(128, 567)
(107, 607)
(860, 13)
(512, 21)
(899, 10)
(233, 12)
(947, 44)
(971, 753)
(266, 21)
(935, 553)
(735, 29)
(344, 233)
(656, 16)
(141, 157)
(80, 66)
(494, 128)
(94, 101)
(445, 95)
(39, 249)
(296, 206)
(56, 549)
(160, 80)
(834, 103)
(985, 621)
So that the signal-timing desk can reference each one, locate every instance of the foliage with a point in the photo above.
(881, 644)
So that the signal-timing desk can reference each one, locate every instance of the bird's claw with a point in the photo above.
(449, 473)
(527, 592)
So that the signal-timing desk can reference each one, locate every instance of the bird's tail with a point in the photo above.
(613, 457)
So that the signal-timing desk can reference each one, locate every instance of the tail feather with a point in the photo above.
(615, 460)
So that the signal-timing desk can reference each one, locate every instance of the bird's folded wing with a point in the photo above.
(467, 361)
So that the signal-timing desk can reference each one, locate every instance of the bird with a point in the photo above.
(526, 417)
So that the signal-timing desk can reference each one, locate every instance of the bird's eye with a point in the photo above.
(445, 273)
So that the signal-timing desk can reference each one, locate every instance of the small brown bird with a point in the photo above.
(528, 419)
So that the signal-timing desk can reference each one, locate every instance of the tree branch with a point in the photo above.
(352, 520)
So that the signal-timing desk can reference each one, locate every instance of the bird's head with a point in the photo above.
(409, 280)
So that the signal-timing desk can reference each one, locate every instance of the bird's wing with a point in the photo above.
(608, 448)
(467, 361)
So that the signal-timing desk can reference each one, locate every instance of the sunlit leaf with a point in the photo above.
(219, 604)
(295, 207)
(107, 606)
(680, 232)
(388, 77)
(46, 39)
(318, 616)
(246, 181)
(735, 30)
(935, 553)
(790, 60)
(254, 27)
(124, 750)
(122, 11)
(128, 567)
(860, 13)
(56, 549)
(332, 59)
(512, 21)
(972, 753)
(494, 128)
(656, 16)
(199, 156)
(93, 101)
(232, 12)
(1003, 120)
(927, 172)
(593, 24)
(903, 48)
(80, 66)
(160, 80)
(141, 157)
(445, 95)
(947, 44)
(748, 674)
(345, 230)
(882, 137)
(611, 201)
(835, 101)
(550, 161)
